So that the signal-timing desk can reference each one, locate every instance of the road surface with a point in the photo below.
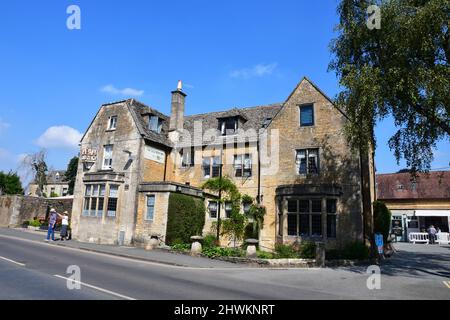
(38, 270)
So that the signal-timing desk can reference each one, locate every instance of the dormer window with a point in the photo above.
(112, 123)
(266, 122)
(228, 126)
(155, 123)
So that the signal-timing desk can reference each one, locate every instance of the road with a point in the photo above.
(37, 270)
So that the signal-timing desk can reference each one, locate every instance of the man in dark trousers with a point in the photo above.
(51, 225)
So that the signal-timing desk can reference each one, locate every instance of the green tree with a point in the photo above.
(400, 70)
(256, 214)
(71, 173)
(234, 226)
(381, 219)
(10, 183)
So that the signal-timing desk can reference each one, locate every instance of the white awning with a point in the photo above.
(433, 213)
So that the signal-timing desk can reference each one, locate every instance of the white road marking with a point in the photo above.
(18, 263)
(96, 288)
(447, 283)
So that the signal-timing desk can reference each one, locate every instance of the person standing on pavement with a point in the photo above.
(52, 224)
(64, 225)
(432, 234)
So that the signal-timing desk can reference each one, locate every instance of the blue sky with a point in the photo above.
(228, 53)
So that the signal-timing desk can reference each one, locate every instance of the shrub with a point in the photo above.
(181, 247)
(264, 255)
(214, 252)
(209, 241)
(381, 219)
(34, 223)
(186, 218)
(308, 250)
(285, 251)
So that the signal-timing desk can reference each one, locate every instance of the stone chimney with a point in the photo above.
(177, 110)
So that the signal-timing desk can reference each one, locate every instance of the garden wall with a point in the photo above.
(14, 210)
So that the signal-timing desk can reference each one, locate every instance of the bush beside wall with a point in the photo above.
(186, 218)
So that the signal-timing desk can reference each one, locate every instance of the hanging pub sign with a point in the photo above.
(89, 155)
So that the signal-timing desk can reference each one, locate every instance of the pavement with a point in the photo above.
(35, 270)
(159, 255)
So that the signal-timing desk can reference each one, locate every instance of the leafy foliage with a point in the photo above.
(71, 173)
(34, 223)
(54, 195)
(381, 219)
(286, 251)
(186, 218)
(10, 183)
(209, 241)
(214, 252)
(181, 247)
(401, 70)
(308, 250)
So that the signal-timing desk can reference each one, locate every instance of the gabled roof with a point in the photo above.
(139, 111)
(434, 185)
(55, 177)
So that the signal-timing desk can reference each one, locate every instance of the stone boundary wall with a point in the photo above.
(14, 210)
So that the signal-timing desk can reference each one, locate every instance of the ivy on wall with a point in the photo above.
(186, 218)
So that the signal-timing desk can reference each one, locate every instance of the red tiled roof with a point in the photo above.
(434, 185)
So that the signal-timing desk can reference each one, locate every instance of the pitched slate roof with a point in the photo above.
(253, 118)
(55, 177)
(435, 185)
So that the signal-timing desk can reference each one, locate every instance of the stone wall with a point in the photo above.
(14, 210)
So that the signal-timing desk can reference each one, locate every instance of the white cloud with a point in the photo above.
(63, 137)
(122, 92)
(3, 125)
(257, 71)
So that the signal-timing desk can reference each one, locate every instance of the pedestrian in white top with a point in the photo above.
(64, 225)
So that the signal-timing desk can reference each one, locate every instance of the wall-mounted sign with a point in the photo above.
(89, 155)
(154, 154)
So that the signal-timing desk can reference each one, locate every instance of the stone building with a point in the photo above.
(56, 185)
(292, 157)
(416, 204)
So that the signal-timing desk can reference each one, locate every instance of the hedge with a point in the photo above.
(381, 219)
(186, 218)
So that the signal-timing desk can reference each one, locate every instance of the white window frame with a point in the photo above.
(242, 164)
(153, 207)
(112, 123)
(107, 162)
(209, 209)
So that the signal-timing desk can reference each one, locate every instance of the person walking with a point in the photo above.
(64, 225)
(51, 225)
(432, 234)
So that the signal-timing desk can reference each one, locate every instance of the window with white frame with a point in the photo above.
(112, 123)
(243, 165)
(150, 208)
(94, 198)
(108, 156)
(228, 126)
(187, 157)
(212, 208)
(307, 161)
(211, 167)
(112, 201)
(228, 209)
(155, 123)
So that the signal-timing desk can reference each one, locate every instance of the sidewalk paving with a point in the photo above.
(158, 255)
